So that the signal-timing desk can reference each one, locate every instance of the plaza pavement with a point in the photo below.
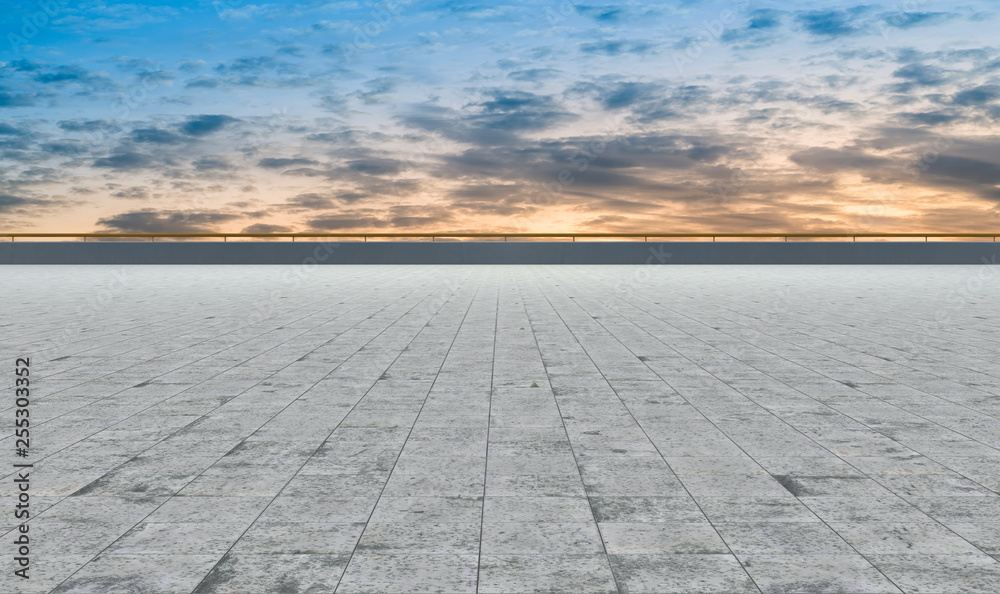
(506, 429)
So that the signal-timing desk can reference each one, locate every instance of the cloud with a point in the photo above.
(346, 221)
(500, 119)
(763, 28)
(533, 74)
(832, 23)
(375, 166)
(87, 125)
(977, 95)
(16, 99)
(8, 130)
(929, 118)
(266, 228)
(603, 14)
(280, 163)
(836, 160)
(166, 221)
(156, 136)
(617, 47)
(206, 124)
(8, 202)
(133, 193)
(211, 164)
(311, 201)
(910, 20)
(126, 161)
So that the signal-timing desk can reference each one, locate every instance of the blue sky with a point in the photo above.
(546, 116)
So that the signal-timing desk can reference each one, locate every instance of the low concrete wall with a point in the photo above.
(425, 252)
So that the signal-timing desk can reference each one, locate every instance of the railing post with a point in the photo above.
(152, 239)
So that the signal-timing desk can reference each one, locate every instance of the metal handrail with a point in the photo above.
(505, 236)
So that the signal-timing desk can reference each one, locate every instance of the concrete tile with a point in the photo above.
(816, 573)
(941, 573)
(681, 574)
(509, 574)
(984, 536)
(209, 509)
(320, 508)
(782, 538)
(546, 538)
(113, 574)
(299, 538)
(534, 485)
(237, 573)
(537, 509)
(866, 509)
(883, 538)
(428, 509)
(646, 509)
(662, 538)
(452, 538)
(755, 509)
(178, 538)
(403, 573)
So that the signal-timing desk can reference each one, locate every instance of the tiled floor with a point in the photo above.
(507, 429)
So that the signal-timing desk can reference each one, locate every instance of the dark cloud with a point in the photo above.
(910, 20)
(126, 161)
(836, 160)
(63, 74)
(603, 14)
(497, 120)
(762, 28)
(375, 166)
(921, 75)
(967, 170)
(16, 99)
(342, 222)
(133, 193)
(977, 96)
(211, 164)
(311, 201)
(156, 136)
(166, 221)
(929, 118)
(832, 23)
(206, 124)
(8, 130)
(87, 125)
(617, 47)
(280, 163)
(533, 74)
(266, 228)
(64, 148)
(9, 203)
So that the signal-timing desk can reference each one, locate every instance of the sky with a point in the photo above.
(531, 116)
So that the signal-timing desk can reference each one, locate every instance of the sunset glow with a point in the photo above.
(531, 116)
